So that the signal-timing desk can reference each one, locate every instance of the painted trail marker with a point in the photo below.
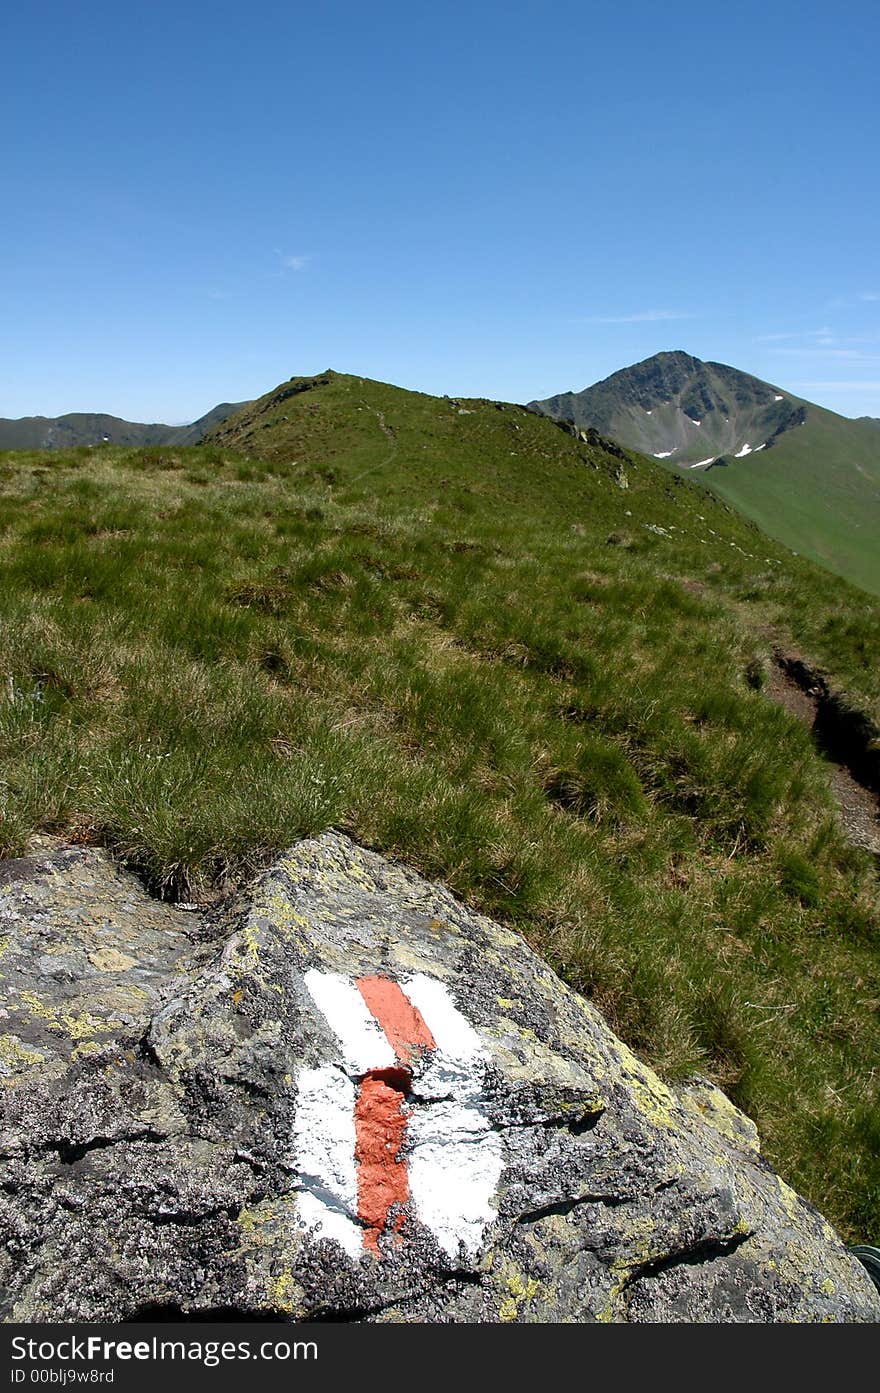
(397, 1127)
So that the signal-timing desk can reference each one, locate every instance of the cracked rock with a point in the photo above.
(348, 1096)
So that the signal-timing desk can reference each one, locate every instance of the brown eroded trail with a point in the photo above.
(843, 735)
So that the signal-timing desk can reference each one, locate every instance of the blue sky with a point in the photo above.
(479, 199)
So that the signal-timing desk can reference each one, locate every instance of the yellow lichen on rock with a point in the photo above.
(516, 1290)
(79, 1027)
(657, 1102)
(111, 960)
(284, 1294)
(708, 1103)
(15, 1055)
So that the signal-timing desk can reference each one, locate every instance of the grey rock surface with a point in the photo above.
(347, 1096)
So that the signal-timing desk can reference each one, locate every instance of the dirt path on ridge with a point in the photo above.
(792, 686)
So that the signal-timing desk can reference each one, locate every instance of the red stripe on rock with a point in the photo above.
(403, 1024)
(380, 1118)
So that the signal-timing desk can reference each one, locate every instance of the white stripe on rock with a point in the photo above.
(362, 1038)
(324, 1143)
(455, 1158)
(454, 1167)
(454, 1035)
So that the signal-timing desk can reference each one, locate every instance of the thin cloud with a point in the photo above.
(295, 263)
(840, 386)
(794, 334)
(812, 340)
(850, 355)
(840, 302)
(642, 317)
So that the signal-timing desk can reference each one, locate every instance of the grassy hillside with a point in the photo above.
(817, 490)
(530, 666)
(808, 477)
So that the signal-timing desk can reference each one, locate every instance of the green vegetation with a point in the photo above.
(817, 490)
(523, 664)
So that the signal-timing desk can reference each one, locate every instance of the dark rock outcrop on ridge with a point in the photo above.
(349, 1097)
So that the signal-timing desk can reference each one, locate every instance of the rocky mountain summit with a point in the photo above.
(346, 1096)
(675, 407)
(807, 476)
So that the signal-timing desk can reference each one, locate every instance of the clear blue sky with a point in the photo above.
(491, 199)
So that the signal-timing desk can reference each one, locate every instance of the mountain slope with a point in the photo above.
(531, 666)
(817, 490)
(95, 428)
(675, 405)
(809, 477)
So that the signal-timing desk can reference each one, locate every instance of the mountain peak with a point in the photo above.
(809, 477)
(673, 404)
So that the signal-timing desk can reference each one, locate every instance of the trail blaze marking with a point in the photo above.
(398, 1128)
(404, 1027)
(380, 1118)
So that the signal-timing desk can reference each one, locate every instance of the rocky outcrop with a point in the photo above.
(349, 1097)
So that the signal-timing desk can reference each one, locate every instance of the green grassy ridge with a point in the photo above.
(517, 465)
(450, 629)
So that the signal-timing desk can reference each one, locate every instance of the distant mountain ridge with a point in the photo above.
(95, 428)
(807, 476)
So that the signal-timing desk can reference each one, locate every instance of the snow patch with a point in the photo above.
(779, 398)
(700, 462)
(746, 450)
(664, 454)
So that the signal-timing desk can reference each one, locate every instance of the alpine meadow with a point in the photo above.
(524, 660)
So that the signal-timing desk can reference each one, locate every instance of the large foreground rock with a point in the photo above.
(350, 1097)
